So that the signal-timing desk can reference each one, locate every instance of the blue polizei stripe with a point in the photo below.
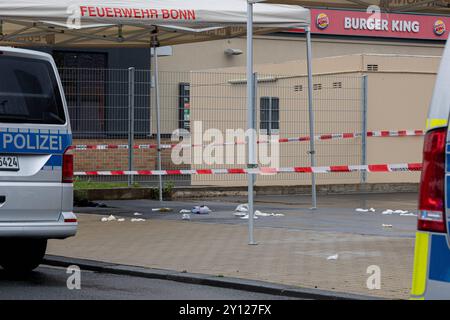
(447, 159)
(439, 258)
(54, 161)
(447, 190)
(32, 142)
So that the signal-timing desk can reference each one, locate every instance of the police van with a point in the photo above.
(431, 275)
(36, 168)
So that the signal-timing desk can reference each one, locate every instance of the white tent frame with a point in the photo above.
(137, 34)
(251, 79)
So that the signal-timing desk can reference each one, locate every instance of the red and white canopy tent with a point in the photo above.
(144, 23)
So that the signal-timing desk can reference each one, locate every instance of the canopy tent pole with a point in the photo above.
(312, 151)
(251, 161)
(158, 112)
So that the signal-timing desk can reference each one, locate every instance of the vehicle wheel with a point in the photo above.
(22, 255)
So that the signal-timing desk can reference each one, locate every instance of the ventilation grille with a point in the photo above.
(298, 88)
(337, 85)
(372, 67)
(317, 86)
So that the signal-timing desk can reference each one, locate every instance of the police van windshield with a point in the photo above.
(29, 92)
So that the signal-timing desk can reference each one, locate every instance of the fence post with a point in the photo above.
(364, 127)
(131, 95)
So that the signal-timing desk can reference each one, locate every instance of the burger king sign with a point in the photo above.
(322, 21)
(439, 27)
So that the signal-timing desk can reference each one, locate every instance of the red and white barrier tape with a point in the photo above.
(402, 167)
(334, 136)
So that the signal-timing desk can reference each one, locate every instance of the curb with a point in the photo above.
(200, 279)
(196, 192)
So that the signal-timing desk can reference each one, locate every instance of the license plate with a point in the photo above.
(9, 163)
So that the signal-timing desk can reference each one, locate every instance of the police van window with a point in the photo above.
(29, 92)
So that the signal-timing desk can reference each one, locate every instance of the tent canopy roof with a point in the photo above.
(97, 23)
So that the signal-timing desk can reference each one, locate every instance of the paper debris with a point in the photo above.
(185, 211)
(137, 214)
(362, 210)
(247, 217)
(201, 210)
(162, 210)
(277, 215)
(186, 216)
(388, 212)
(262, 214)
(372, 210)
(400, 211)
(334, 257)
(242, 208)
(387, 225)
(410, 214)
(110, 218)
(137, 220)
(121, 220)
(240, 214)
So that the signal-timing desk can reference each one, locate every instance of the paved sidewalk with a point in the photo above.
(287, 256)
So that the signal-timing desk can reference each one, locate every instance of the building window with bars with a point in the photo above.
(184, 106)
(270, 115)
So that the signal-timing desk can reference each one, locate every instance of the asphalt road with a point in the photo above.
(335, 213)
(49, 283)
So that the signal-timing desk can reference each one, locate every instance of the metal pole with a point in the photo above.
(312, 150)
(158, 115)
(131, 93)
(364, 127)
(250, 121)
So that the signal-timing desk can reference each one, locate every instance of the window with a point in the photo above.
(97, 97)
(184, 106)
(270, 115)
(337, 85)
(29, 92)
(83, 75)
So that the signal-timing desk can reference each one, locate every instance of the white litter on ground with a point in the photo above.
(137, 214)
(137, 220)
(365, 210)
(410, 214)
(401, 211)
(201, 210)
(239, 214)
(277, 215)
(110, 218)
(121, 220)
(334, 257)
(162, 210)
(186, 216)
(388, 212)
(247, 217)
(387, 225)
(185, 211)
(262, 214)
(242, 208)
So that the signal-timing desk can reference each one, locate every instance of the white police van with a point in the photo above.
(36, 170)
(431, 276)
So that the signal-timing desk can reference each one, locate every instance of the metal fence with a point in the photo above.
(116, 107)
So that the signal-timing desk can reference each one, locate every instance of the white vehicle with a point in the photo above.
(36, 171)
(431, 276)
